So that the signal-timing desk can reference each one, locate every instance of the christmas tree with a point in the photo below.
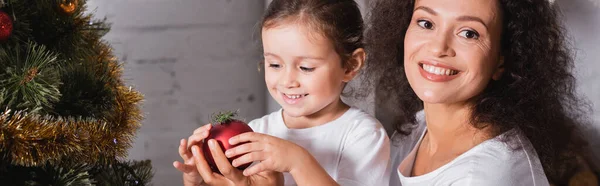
(66, 116)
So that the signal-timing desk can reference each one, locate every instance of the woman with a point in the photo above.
(494, 81)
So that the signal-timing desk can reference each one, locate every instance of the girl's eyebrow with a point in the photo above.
(297, 57)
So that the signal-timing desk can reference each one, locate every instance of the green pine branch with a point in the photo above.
(57, 65)
(69, 173)
(64, 174)
(76, 175)
(72, 36)
(88, 90)
(99, 27)
(223, 117)
(124, 173)
(30, 79)
(21, 32)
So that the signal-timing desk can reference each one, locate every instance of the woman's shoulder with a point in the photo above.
(500, 162)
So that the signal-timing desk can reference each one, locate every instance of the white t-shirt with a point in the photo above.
(354, 148)
(493, 162)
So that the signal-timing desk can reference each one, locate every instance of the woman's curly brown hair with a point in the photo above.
(536, 94)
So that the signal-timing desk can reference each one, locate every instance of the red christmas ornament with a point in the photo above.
(6, 26)
(225, 128)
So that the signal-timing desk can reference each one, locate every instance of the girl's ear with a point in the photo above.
(499, 70)
(355, 63)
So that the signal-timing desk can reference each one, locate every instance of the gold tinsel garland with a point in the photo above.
(33, 140)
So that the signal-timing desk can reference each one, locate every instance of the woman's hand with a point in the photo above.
(191, 177)
(231, 176)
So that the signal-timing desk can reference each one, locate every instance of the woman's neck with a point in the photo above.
(449, 129)
(325, 115)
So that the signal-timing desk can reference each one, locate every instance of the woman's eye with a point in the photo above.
(469, 34)
(425, 24)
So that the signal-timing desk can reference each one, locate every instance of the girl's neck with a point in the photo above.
(325, 115)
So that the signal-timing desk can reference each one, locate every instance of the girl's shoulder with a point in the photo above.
(359, 121)
(262, 124)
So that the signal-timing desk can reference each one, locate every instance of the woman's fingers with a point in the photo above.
(223, 164)
(202, 165)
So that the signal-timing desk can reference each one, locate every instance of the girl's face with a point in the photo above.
(452, 49)
(303, 72)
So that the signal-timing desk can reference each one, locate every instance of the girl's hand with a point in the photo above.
(231, 175)
(188, 167)
(274, 154)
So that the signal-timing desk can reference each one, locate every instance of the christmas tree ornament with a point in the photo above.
(225, 127)
(67, 7)
(6, 26)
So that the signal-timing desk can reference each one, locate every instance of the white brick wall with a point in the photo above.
(582, 20)
(189, 58)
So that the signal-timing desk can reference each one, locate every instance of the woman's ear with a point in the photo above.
(355, 63)
(499, 70)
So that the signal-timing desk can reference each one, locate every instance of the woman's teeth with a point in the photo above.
(438, 70)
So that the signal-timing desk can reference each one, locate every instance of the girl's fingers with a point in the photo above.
(246, 137)
(248, 158)
(255, 169)
(243, 149)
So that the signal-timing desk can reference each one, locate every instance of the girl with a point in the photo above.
(494, 80)
(312, 49)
